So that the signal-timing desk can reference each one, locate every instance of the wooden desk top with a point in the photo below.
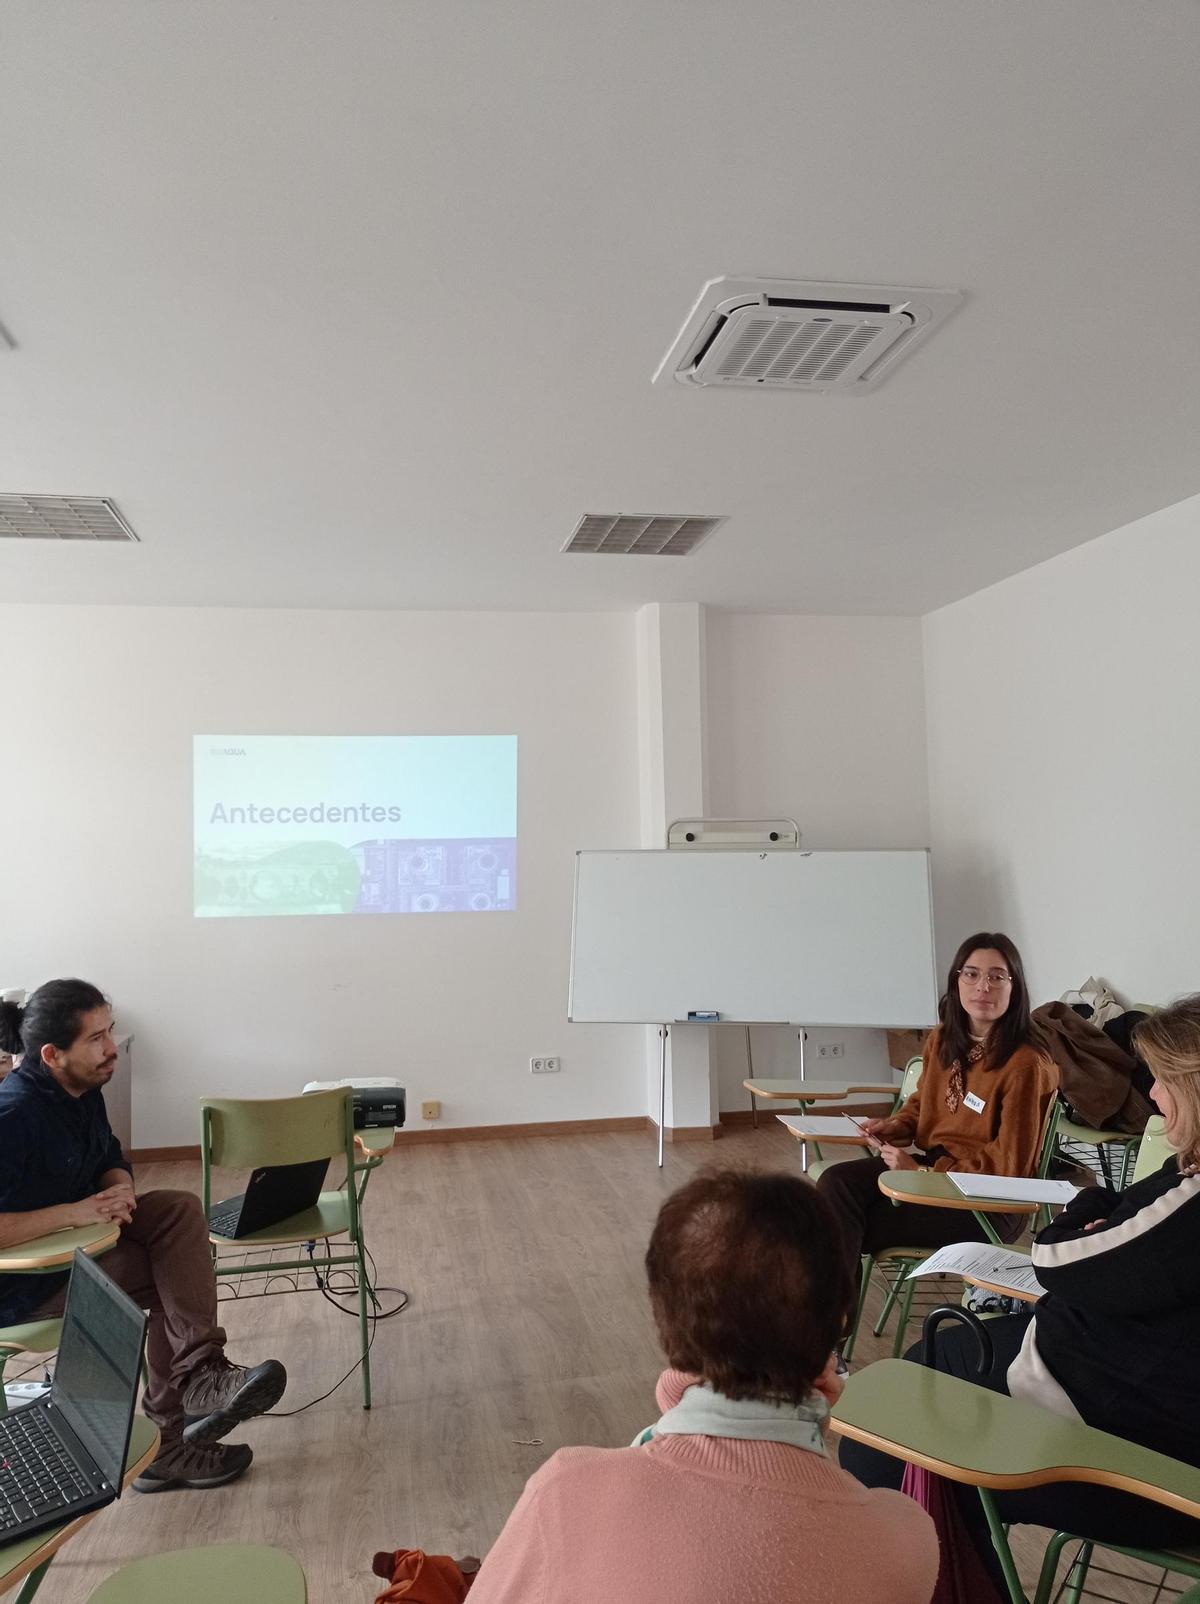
(936, 1190)
(987, 1439)
(998, 1286)
(857, 1140)
(58, 1249)
(814, 1091)
(18, 1559)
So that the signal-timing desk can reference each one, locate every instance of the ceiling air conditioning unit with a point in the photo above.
(780, 334)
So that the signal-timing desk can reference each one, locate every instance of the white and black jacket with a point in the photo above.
(1116, 1336)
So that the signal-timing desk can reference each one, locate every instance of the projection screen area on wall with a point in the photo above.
(293, 824)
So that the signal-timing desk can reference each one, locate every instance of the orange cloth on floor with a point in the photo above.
(419, 1578)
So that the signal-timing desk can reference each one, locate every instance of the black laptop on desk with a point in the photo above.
(273, 1194)
(64, 1454)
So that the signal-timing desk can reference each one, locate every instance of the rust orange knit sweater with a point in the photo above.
(1002, 1137)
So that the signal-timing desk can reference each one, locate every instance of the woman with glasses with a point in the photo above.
(980, 1106)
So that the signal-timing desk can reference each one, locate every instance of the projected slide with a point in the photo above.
(293, 824)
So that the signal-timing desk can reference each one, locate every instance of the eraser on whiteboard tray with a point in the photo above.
(702, 1016)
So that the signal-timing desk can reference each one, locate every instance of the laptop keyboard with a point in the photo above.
(224, 1224)
(37, 1475)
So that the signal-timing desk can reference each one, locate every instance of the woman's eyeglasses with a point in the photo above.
(994, 977)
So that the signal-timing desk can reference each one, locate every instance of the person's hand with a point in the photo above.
(115, 1203)
(896, 1158)
(881, 1129)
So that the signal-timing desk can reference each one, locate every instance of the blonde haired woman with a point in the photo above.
(1113, 1339)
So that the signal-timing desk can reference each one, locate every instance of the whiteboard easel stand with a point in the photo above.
(662, 1091)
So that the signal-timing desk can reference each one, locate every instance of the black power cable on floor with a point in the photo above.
(331, 1295)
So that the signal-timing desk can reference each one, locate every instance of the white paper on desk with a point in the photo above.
(818, 1125)
(980, 1261)
(1020, 1188)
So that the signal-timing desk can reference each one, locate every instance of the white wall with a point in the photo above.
(1064, 761)
(95, 851)
(822, 720)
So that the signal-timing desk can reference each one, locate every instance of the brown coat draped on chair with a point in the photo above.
(1095, 1074)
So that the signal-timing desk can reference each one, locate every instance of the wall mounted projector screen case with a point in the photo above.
(320, 824)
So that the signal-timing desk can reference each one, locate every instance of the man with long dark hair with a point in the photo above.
(61, 1167)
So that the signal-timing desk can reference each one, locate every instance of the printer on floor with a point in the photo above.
(378, 1102)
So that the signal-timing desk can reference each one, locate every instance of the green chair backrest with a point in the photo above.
(1155, 1149)
(910, 1080)
(243, 1133)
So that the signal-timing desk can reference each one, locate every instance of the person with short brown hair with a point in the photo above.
(731, 1495)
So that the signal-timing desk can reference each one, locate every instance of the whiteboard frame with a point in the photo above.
(857, 1024)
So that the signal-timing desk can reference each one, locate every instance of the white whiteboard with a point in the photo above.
(809, 938)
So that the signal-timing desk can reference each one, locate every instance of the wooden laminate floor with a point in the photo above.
(528, 1330)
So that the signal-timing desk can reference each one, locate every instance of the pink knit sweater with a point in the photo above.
(706, 1520)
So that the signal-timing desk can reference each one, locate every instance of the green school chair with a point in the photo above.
(42, 1256)
(247, 1133)
(235, 1573)
(1154, 1151)
(36, 1336)
(987, 1440)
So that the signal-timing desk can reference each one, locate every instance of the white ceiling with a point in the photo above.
(356, 303)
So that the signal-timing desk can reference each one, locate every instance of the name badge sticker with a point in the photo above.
(975, 1104)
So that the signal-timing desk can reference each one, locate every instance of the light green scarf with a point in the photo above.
(702, 1412)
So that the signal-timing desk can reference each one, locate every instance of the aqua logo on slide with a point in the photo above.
(354, 824)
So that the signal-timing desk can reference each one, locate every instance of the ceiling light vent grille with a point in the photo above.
(775, 334)
(636, 535)
(61, 518)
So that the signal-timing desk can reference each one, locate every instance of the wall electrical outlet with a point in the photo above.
(831, 1049)
(545, 1066)
(431, 1110)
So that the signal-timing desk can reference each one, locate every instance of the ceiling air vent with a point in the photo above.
(636, 535)
(61, 518)
(778, 334)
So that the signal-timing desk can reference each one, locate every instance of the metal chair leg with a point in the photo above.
(1077, 1575)
(1049, 1570)
(910, 1286)
(864, 1281)
(893, 1292)
(33, 1581)
(364, 1335)
(1003, 1552)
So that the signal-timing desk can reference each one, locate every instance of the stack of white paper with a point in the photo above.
(823, 1127)
(1017, 1188)
(977, 1261)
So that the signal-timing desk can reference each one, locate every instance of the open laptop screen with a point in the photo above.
(99, 1356)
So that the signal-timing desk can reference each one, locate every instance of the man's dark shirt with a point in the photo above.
(53, 1149)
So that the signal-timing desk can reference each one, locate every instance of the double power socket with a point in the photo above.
(545, 1066)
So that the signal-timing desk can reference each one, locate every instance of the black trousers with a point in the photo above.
(1100, 1513)
(871, 1221)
